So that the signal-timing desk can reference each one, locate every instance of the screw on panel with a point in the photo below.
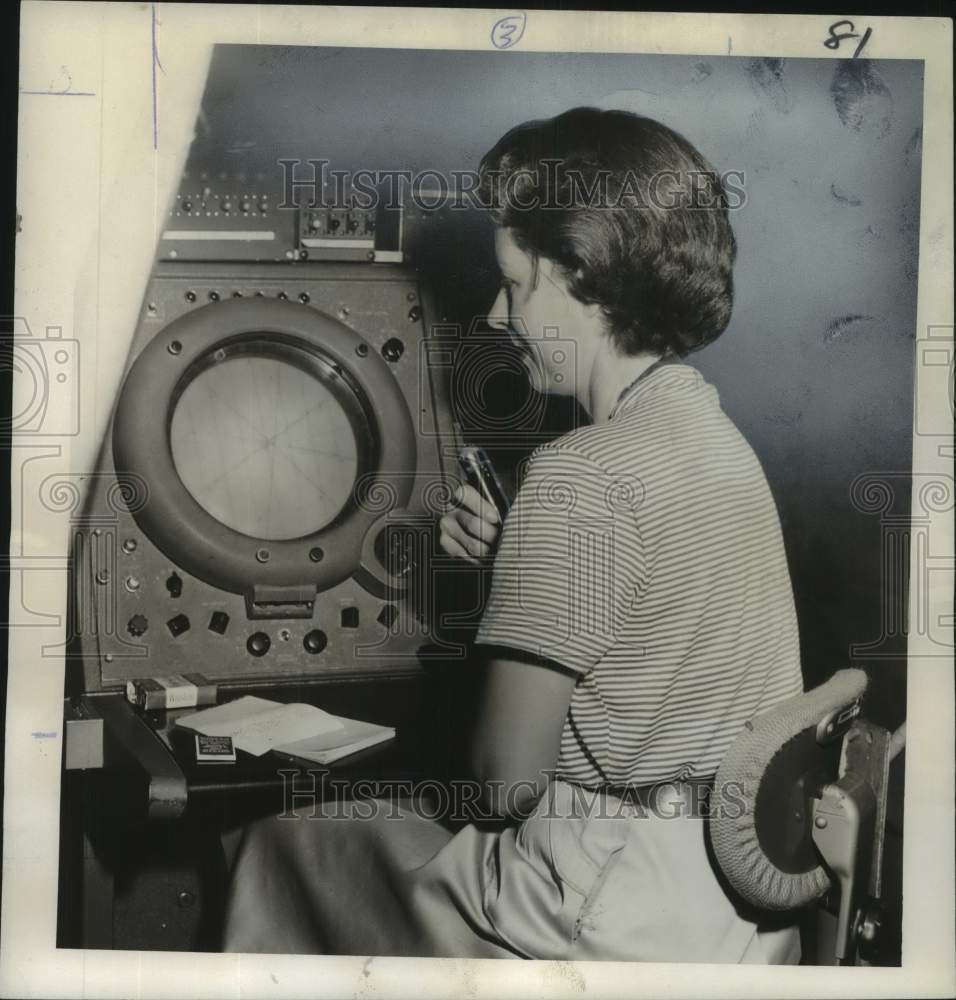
(262, 555)
(129, 545)
(103, 576)
(175, 347)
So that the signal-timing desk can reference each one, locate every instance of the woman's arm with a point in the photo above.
(521, 714)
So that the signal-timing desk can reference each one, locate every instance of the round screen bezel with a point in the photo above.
(174, 520)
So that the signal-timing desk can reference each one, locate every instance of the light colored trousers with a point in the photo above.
(567, 883)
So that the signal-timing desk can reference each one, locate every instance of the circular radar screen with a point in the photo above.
(265, 446)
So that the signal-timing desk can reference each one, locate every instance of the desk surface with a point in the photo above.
(152, 745)
(395, 758)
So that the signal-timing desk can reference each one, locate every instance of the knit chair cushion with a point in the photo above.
(734, 833)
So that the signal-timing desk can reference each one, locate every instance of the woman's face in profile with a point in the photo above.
(541, 316)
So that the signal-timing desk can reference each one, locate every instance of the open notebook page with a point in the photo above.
(257, 725)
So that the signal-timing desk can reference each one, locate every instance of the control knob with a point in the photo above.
(137, 625)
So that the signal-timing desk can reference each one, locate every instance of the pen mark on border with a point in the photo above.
(65, 92)
(39, 735)
(508, 31)
(61, 93)
(832, 41)
(155, 62)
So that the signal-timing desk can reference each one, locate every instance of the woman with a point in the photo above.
(640, 612)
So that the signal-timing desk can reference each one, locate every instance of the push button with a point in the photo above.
(315, 641)
(258, 644)
(219, 622)
(178, 625)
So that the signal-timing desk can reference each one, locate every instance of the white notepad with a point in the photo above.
(257, 726)
(329, 747)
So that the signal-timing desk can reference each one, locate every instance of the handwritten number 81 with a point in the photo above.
(834, 39)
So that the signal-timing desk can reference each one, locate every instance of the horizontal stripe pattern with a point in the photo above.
(646, 555)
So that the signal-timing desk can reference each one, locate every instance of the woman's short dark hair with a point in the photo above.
(634, 217)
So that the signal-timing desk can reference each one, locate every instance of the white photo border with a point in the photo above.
(108, 99)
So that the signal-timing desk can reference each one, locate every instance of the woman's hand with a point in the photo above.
(471, 529)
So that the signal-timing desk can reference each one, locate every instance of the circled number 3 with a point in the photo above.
(508, 30)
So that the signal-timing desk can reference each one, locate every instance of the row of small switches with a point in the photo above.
(219, 623)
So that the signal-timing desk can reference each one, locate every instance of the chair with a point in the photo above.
(801, 809)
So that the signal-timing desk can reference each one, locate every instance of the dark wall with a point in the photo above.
(816, 367)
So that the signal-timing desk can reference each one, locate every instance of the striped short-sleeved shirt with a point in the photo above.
(645, 554)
